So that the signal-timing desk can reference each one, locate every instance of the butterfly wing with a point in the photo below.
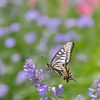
(59, 70)
(63, 55)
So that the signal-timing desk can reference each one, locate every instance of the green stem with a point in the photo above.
(51, 91)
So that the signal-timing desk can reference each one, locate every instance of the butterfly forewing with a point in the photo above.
(63, 55)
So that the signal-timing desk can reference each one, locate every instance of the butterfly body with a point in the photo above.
(59, 62)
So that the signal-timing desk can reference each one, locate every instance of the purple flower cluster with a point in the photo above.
(13, 28)
(37, 77)
(42, 89)
(49, 23)
(69, 36)
(96, 91)
(81, 22)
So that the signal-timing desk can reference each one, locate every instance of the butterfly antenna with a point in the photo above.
(43, 58)
(46, 62)
(73, 80)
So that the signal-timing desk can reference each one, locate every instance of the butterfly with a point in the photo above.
(58, 64)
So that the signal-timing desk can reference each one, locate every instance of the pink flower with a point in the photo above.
(87, 7)
(94, 3)
(84, 9)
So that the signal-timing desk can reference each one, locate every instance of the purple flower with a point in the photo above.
(79, 97)
(69, 36)
(15, 57)
(69, 23)
(31, 71)
(3, 90)
(60, 89)
(96, 91)
(31, 15)
(42, 20)
(10, 42)
(29, 68)
(35, 80)
(59, 92)
(96, 82)
(59, 38)
(15, 27)
(54, 91)
(53, 24)
(3, 3)
(30, 38)
(42, 89)
(85, 21)
(20, 77)
(40, 74)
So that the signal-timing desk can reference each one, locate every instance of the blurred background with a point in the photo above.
(35, 28)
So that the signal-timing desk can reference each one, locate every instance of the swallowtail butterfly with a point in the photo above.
(59, 62)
